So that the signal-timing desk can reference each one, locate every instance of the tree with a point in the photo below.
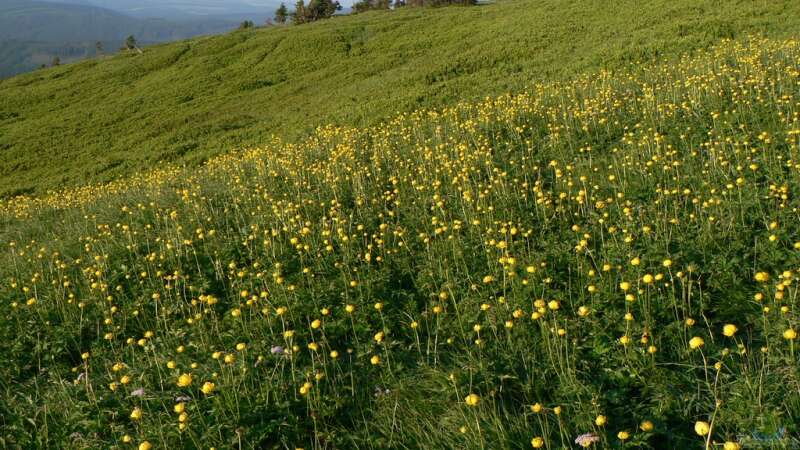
(361, 6)
(98, 47)
(281, 14)
(314, 10)
(246, 24)
(56, 61)
(321, 9)
(130, 43)
(365, 5)
(299, 14)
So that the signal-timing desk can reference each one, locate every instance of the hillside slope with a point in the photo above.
(188, 100)
(613, 257)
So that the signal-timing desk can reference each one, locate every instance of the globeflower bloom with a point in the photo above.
(600, 420)
(184, 380)
(136, 414)
(472, 399)
(702, 428)
(696, 342)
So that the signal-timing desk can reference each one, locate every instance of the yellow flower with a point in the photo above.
(537, 442)
(145, 445)
(702, 428)
(536, 407)
(646, 426)
(790, 334)
(184, 380)
(600, 420)
(624, 285)
(696, 342)
(179, 408)
(647, 278)
(316, 324)
(136, 414)
(762, 277)
(472, 399)
(623, 435)
(730, 445)
(208, 387)
(375, 360)
(729, 330)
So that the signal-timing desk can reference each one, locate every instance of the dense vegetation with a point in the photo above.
(608, 261)
(187, 101)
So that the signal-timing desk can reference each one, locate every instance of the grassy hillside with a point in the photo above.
(189, 100)
(613, 257)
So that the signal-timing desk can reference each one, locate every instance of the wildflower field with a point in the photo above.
(607, 262)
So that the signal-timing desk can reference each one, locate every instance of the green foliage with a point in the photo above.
(130, 43)
(187, 101)
(315, 10)
(281, 14)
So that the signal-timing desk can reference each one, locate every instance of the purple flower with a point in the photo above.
(138, 393)
(587, 439)
(276, 350)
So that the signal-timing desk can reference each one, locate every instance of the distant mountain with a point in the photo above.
(33, 33)
(188, 9)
